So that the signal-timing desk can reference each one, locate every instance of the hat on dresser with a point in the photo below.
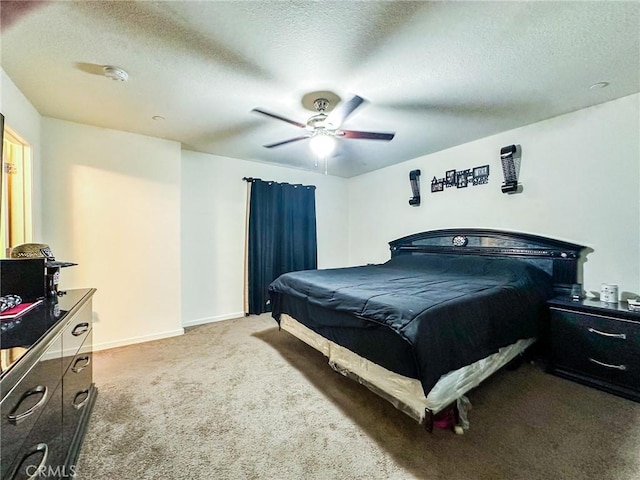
(38, 250)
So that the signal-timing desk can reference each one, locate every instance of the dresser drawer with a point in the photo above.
(75, 334)
(77, 391)
(21, 410)
(597, 346)
(46, 360)
(43, 449)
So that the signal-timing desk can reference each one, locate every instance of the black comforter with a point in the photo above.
(421, 315)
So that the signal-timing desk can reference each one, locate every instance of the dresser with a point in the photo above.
(597, 344)
(46, 387)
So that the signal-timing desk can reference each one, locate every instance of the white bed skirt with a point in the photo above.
(405, 393)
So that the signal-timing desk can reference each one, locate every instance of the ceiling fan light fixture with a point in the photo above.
(322, 145)
(321, 104)
(323, 128)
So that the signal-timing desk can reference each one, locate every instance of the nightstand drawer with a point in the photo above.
(626, 374)
(598, 347)
(595, 335)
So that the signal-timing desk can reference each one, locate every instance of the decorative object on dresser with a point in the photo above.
(46, 387)
(17, 310)
(24, 277)
(52, 266)
(597, 344)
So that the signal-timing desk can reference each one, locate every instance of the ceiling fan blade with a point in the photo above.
(387, 136)
(339, 114)
(278, 117)
(271, 145)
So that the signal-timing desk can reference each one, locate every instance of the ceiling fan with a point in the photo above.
(328, 125)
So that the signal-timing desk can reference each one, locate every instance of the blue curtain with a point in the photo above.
(282, 236)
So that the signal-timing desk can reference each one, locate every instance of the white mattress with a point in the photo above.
(403, 392)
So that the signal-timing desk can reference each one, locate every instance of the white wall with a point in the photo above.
(581, 178)
(111, 203)
(214, 202)
(24, 120)
(160, 232)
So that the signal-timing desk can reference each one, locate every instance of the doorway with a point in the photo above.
(16, 226)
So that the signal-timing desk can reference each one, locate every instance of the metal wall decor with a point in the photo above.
(461, 178)
(414, 180)
(510, 157)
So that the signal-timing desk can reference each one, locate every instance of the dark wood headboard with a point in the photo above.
(556, 257)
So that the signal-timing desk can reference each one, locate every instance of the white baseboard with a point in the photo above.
(133, 340)
(219, 318)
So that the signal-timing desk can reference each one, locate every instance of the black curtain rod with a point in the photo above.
(252, 179)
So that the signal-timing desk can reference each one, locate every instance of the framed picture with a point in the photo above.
(462, 179)
(481, 175)
(481, 171)
(450, 178)
(437, 184)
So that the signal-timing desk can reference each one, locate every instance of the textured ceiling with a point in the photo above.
(439, 74)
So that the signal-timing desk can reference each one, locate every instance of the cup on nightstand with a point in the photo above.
(609, 293)
(576, 292)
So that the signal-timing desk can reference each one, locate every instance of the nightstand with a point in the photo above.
(597, 344)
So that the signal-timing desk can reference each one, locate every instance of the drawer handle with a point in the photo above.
(77, 369)
(80, 328)
(611, 335)
(16, 419)
(617, 367)
(78, 406)
(40, 447)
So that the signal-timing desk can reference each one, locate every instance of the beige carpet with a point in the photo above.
(241, 400)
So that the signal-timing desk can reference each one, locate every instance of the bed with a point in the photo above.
(450, 308)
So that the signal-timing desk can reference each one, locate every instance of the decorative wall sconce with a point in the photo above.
(510, 157)
(414, 179)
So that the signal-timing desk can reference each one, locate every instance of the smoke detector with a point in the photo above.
(115, 73)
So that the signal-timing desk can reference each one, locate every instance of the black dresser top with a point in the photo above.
(19, 336)
(592, 305)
